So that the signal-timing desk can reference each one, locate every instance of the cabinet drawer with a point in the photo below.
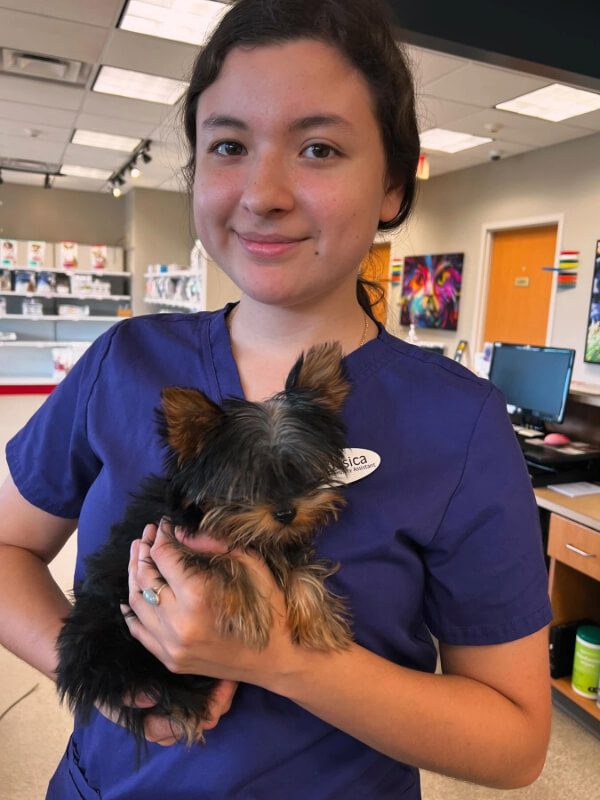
(575, 545)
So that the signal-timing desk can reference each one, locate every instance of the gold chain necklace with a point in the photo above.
(363, 338)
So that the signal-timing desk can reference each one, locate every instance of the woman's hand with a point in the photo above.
(181, 632)
(158, 728)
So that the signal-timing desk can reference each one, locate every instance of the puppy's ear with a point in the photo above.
(320, 369)
(189, 414)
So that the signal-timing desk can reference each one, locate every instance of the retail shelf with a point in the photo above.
(96, 272)
(173, 303)
(60, 296)
(179, 273)
(61, 318)
(36, 344)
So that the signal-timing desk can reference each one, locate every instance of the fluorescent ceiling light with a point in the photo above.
(553, 103)
(107, 141)
(188, 21)
(85, 172)
(139, 85)
(450, 141)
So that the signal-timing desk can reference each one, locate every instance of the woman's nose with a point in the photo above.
(268, 187)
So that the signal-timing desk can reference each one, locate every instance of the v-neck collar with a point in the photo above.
(226, 378)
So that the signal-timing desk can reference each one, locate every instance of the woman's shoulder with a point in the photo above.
(427, 367)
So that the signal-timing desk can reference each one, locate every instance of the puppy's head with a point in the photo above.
(262, 472)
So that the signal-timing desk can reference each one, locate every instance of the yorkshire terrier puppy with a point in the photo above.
(259, 477)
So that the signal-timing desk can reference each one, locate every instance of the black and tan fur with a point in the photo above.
(255, 476)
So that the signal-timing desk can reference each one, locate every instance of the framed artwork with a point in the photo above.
(592, 344)
(431, 287)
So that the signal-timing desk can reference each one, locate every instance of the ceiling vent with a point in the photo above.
(24, 165)
(49, 68)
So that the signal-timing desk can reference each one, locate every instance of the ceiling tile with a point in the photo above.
(590, 121)
(51, 37)
(85, 184)
(120, 127)
(93, 157)
(148, 54)
(427, 65)
(21, 112)
(483, 86)
(12, 127)
(29, 179)
(32, 149)
(123, 108)
(91, 12)
(40, 93)
(518, 128)
(433, 112)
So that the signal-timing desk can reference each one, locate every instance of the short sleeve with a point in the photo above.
(50, 459)
(485, 572)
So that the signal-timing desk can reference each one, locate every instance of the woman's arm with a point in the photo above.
(32, 606)
(485, 720)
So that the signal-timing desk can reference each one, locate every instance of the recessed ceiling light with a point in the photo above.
(450, 141)
(139, 85)
(85, 172)
(188, 21)
(107, 141)
(554, 103)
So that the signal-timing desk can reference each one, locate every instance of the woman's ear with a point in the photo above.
(390, 206)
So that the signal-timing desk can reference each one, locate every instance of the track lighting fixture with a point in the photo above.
(130, 168)
(47, 184)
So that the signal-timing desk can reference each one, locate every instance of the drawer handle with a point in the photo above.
(579, 552)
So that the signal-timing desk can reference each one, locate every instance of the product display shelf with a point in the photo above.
(563, 685)
(98, 273)
(177, 288)
(184, 304)
(60, 295)
(28, 341)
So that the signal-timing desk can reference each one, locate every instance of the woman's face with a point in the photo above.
(290, 171)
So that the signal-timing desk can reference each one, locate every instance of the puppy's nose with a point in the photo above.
(285, 515)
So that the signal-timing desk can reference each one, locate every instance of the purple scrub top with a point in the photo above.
(442, 538)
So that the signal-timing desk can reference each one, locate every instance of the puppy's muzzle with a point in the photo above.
(285, 515)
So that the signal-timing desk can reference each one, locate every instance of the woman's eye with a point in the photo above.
(321, 151)
(228, 149)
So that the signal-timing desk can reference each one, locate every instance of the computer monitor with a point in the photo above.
(535, 380)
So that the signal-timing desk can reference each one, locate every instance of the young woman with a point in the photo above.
(300, 119)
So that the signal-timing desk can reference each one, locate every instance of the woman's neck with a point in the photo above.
(267, 340)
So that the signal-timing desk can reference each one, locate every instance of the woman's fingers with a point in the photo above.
(220, 703)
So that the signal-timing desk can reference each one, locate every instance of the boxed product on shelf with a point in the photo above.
(68, 256)
(5, 280)
(36, 254)
(8, 252)
(25, 280)
(73, 311)
(62, 284)
(98, 256)
(46, 282)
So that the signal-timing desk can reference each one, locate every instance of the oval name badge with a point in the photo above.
(358, 463)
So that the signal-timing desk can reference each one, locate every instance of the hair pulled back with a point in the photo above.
(361, 31)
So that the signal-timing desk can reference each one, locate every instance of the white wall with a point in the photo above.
(559, 180)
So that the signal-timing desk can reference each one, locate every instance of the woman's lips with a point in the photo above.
(268, 246)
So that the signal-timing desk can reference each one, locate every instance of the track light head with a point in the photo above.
(146, 157)
(47, 184)
(1, 178)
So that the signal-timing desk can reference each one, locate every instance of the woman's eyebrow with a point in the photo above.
(300, 124)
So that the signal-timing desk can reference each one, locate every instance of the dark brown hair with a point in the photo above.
(361, 31)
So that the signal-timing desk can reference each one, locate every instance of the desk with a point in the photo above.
(574, 580)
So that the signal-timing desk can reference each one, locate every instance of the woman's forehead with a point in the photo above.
(291, 81)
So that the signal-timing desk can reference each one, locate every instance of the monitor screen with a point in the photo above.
(533, 379)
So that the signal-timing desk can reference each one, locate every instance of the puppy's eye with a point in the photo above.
(285, 515)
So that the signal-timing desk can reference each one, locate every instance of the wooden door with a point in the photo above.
(519, 291)
(376, 267)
